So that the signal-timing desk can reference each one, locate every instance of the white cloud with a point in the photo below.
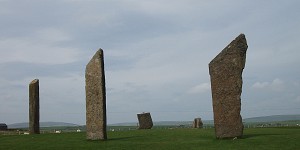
(52, 35)
(30, 50)
(275, 85)
(260, 85)
(201, 88)
(159, 7)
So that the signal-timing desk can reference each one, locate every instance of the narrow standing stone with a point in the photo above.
(145, 121)
(34, 107)
(197, 123)
(226, 84)
(95, 98)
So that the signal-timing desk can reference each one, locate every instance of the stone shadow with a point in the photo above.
(123, 138)
(247, 136)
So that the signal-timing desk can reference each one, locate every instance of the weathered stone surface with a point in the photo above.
(3, 127)
(197, 123)
(95, 98)
(226, 84)
(145, 121)
(34, 107)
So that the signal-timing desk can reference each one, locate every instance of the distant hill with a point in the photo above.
(273, 118)
(42, 124)
(166, 123)
(181, 122)
(162, 123)
(247, 120)
(157, 123)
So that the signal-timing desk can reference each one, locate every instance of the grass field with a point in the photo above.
(158, 139)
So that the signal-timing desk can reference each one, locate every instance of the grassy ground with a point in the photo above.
(162, 139)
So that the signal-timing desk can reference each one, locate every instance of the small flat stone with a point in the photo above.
(145, 121)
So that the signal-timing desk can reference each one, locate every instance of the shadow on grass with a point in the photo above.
(247, 136)
(115, 139)
(122, 138)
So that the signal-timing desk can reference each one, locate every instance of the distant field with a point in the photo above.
(162, 139)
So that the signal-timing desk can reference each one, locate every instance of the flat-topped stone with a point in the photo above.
(34, 107)
(145, 120)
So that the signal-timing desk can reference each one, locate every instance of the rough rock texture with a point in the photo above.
(34, 107)
(95, 98)
(226, 84)
(3, 127)
(197, 123)
(145, 121)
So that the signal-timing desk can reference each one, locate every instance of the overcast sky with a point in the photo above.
(156, 56)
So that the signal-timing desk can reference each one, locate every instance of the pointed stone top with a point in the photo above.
(100, 51)
(34, 81)
(97, 55)
(242, 35)
(240, 39)
(238, 45)
(96, 64)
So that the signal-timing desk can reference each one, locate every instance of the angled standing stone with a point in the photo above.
(34, 107)
(145, 121)
(226, 84)
(197, 123)
(95, 98)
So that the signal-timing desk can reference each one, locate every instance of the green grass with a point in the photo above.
(254, 138)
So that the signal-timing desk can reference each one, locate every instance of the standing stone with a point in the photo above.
(197, 123)
(226, 84)
(3, 127)
(34, 107)
(145, 121)
(95, 98)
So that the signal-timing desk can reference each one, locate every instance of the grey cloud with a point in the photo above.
(155, 52)
(17, 70)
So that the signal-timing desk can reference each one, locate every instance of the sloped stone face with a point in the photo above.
(145, 121)
(226, 84)
(95, 98)
(197, 123)
(34, 107)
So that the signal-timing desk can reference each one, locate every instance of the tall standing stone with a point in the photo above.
(226, 84)
(34, 107)
(95, 98)
(197, 123)
(145, 121)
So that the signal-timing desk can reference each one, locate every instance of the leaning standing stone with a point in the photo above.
(145, 121)
(226, 84)
(34, 107)
(95, 98)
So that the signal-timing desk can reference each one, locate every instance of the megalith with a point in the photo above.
(95, 98)
(145, 120)
(226, 84)
(34, 107)
(197, 123)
